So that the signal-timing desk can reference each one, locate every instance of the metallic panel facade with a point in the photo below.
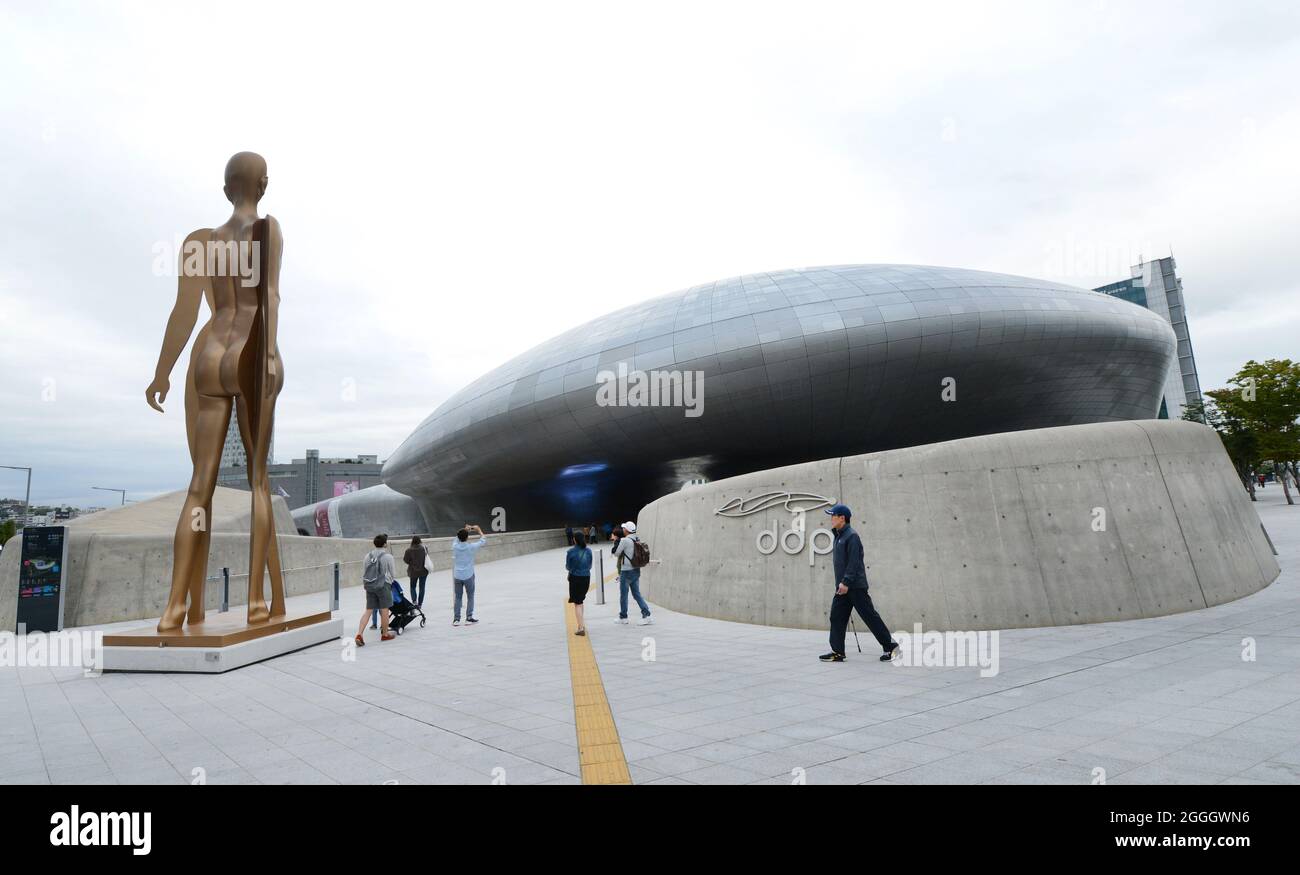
(796, 365)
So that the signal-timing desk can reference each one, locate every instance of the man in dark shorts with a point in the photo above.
(377, 579)
(578, 563)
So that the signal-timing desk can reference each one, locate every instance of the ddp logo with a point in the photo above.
(794, 540)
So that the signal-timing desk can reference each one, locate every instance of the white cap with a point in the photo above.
(629, 527)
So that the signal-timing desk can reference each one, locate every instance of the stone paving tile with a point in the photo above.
(721, 773)
(719, 751)
(964, 769)
(1274, 772)
(1159, 773)
(674, 763)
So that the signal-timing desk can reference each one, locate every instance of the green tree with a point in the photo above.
(1240, 444)
(1256, 416)
(8, 529)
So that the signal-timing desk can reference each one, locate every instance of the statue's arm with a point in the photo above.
(185, 312)
(274, 240)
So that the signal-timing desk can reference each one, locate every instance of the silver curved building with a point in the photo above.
(794, 366)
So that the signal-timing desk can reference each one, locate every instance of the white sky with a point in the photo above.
(459, 182)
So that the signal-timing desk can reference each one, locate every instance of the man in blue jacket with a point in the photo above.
(851, 589)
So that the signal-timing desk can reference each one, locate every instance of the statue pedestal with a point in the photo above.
(220, 643)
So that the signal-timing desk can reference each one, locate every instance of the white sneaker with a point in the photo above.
(645, 621)
(622, 621)
(455, 622)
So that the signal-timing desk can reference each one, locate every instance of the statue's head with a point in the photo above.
(245, 177)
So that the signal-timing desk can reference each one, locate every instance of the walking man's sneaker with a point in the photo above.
(387, 636)
(891, 655)
(470, 621)
(832, 657)
(644, 621)
(361, 642)
(456, 622)
(621, 621)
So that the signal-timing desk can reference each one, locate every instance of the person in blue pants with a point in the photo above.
(629, 577)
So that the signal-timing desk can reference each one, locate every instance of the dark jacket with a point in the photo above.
(578, 561)
(850, 567)
(414, 559)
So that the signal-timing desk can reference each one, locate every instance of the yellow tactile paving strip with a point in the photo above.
(600, 753)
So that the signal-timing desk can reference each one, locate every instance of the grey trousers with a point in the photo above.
(464, 586)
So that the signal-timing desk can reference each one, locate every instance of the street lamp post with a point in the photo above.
(107, 489)
(27, 499)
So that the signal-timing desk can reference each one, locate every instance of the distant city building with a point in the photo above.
(40, 515)
(232, 453)
(11, 509)
(310, 479)
(1156, 286)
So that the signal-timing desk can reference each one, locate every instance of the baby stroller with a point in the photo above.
(403, 611)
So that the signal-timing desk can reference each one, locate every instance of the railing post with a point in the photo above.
(334, 602)
(225, 590)
(601, 554)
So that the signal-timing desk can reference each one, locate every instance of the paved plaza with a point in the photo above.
(1164, 700)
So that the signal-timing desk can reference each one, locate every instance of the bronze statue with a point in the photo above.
(235, 361)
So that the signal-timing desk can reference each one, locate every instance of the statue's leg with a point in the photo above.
(273, 569)
(261, 525)
(206, 420)
(199, 570)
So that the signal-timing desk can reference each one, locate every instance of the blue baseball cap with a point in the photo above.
(839, 510)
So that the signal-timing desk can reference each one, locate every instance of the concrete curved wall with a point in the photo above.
(115, 577)
(990, 532)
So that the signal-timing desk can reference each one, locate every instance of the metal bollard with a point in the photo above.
(334, 602)
(225, 590)
(601, 554)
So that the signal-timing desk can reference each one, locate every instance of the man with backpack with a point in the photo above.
(377, 579)
(631, 555)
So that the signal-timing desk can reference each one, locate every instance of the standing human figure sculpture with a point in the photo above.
(235, 363)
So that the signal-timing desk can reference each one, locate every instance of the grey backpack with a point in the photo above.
(372, 574)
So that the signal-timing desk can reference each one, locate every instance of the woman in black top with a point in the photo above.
(415, 570)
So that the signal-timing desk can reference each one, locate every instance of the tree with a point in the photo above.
(8, 529)
(1256, 416)
(1240, 444)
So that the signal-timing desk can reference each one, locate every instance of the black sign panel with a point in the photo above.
(40, 578)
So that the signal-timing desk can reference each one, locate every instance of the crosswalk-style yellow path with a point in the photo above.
(600, 753)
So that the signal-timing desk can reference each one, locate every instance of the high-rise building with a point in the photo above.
(1156, 286)
(232, 453)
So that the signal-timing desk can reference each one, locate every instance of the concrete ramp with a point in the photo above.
(231, 512)
(1048, 527)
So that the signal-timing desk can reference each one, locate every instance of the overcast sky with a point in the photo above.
(459, 182)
